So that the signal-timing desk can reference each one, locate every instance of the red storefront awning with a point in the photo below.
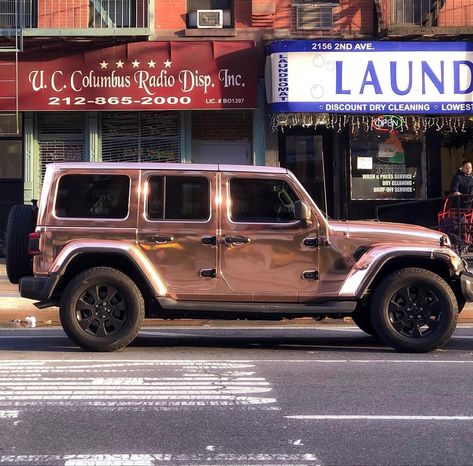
(137, 76)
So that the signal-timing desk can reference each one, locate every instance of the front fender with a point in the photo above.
(131, 251)
(365, 270)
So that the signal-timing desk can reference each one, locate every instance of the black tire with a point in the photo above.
(21, 222)
(414, 310)
(102, 309)
(362, 319)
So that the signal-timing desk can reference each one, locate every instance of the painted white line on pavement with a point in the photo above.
(132, 459)
(8, 414)
(350, 417)
(204, 384)
(39, 365)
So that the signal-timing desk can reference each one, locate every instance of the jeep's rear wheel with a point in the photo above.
(21, 222)
(414, 310)
(102, 309)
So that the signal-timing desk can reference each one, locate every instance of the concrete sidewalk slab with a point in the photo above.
(14, 310)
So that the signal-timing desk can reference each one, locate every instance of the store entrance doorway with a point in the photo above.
(455, 148)
(307, 153)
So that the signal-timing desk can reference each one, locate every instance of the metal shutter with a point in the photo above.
(141, 137)
(61, 138)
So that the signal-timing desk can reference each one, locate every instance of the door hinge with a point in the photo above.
(208, 273)
(310, 275)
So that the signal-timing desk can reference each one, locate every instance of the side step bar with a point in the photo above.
(326, 307)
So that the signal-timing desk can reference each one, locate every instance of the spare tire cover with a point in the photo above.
(21, 222)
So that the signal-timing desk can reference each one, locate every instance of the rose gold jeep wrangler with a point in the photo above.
(115, 243)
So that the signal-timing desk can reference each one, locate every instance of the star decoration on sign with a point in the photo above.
(152, 64)
(119, 64)
(167, 63)
(103, 65)
(136, 64)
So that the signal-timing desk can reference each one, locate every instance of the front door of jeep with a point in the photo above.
(177, 230)
(266, 254)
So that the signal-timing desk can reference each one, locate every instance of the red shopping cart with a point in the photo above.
(457, 222)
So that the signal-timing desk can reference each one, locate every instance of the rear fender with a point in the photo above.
(141, 261)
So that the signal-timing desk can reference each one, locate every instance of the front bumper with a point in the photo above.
(39, 288)
(466, 280)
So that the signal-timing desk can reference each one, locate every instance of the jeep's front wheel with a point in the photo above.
(102, 309)
(362, 318)
(414, 310)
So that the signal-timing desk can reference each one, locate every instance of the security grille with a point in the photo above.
(61, 138)
(141, 137)
(311, 17)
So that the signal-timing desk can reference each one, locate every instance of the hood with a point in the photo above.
(386, 231)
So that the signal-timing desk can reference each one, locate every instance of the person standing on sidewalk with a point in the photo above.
(462, 183)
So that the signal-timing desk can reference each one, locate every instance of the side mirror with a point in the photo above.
(302, 213)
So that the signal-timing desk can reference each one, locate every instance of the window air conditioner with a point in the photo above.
(209, 18)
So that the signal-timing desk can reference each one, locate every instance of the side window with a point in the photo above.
(261, 201)
(178, 198)
(93, 196)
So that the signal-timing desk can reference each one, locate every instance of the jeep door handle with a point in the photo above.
(237, 240)
(160, 239)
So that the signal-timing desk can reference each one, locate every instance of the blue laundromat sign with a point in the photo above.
(370, 77)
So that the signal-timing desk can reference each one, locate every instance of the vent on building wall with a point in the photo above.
(209, 18)
(318, 3)
(312, 16)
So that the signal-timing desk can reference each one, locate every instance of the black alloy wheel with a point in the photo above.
(414, 310)
(102, 309)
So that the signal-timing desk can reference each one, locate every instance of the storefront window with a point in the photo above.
(387, 165)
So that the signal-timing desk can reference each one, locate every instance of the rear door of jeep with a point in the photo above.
(177, 229)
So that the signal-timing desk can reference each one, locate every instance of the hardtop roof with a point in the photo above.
(163, 166)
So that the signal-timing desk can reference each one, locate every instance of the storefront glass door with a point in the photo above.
(303, 154)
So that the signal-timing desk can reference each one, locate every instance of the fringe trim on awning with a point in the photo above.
(364, 123)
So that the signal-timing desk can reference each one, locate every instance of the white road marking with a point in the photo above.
(184, 383)
(152, 459)
(8, 414)
(105, 364)
(350, 417)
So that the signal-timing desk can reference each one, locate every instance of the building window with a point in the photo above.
(210, 14)
(314, 15)
(141, 136)
(117, 13)
(388, 165)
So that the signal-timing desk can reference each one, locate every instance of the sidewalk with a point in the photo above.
(14, 309)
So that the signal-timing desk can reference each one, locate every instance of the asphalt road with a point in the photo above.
(238, 396)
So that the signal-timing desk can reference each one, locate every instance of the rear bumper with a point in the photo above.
(466, 280)
(39, 288)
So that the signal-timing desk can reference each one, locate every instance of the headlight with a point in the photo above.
(445, 241)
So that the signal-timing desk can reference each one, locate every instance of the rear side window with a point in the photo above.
(178, 198)
(261, 201)
(93, 196)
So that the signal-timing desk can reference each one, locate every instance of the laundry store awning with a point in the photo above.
(183, 75)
